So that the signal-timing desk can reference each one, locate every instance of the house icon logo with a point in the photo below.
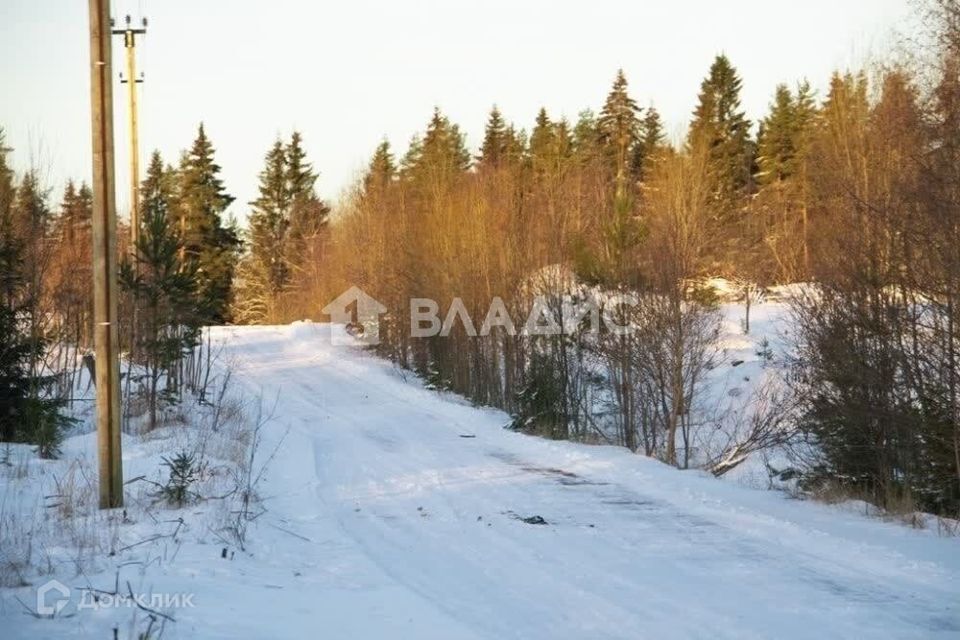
(52, 605)
(360, 313)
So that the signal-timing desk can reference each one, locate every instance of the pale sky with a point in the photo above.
(348, 73)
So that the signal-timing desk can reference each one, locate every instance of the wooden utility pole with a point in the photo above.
(130, 43)
(105, 334)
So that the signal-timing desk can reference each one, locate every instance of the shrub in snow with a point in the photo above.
(184, 472)
(540, 401)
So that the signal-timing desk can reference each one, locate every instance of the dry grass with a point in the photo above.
(14, 464)
(64, 532)
(900, 507)
(17, 551)
(948, 527)
(75, 490)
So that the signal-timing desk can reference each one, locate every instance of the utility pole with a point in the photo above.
(130, 34)
(105, 334)
(130, 43)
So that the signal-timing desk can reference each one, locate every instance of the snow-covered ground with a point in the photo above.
(397, 512)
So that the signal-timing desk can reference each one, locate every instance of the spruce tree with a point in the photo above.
(563, 140)
(805, 113)
(7, 191)
(586, 138)
(619, 127)
(160, 184)
(164, 286)
(444, 151)
(721, 129)
(15, 349)
(434, 163)
(301, 179)
(651, 142)
(381, 170)
(496, 141)
(209, 240)
(75, 212)
(778, 225)
(846, 109)
(785, 134)
(29, 412)
(542, 141)
(515, 148)
(776, 143)
(410, 159)
(309, 215)
(550, 144)
(287, 220)
(32, 221)
(270, 220)
(70, 287)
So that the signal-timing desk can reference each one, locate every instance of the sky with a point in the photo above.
(348, 74)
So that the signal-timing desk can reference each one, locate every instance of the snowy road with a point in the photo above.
(387, 522)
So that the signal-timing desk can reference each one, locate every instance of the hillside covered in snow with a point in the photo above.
(392, 510)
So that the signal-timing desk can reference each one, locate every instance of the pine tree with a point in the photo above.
(619, 128)
(208, 239)
(720, 127)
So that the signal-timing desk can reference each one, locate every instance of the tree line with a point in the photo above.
(188, 266)
(855, 192)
